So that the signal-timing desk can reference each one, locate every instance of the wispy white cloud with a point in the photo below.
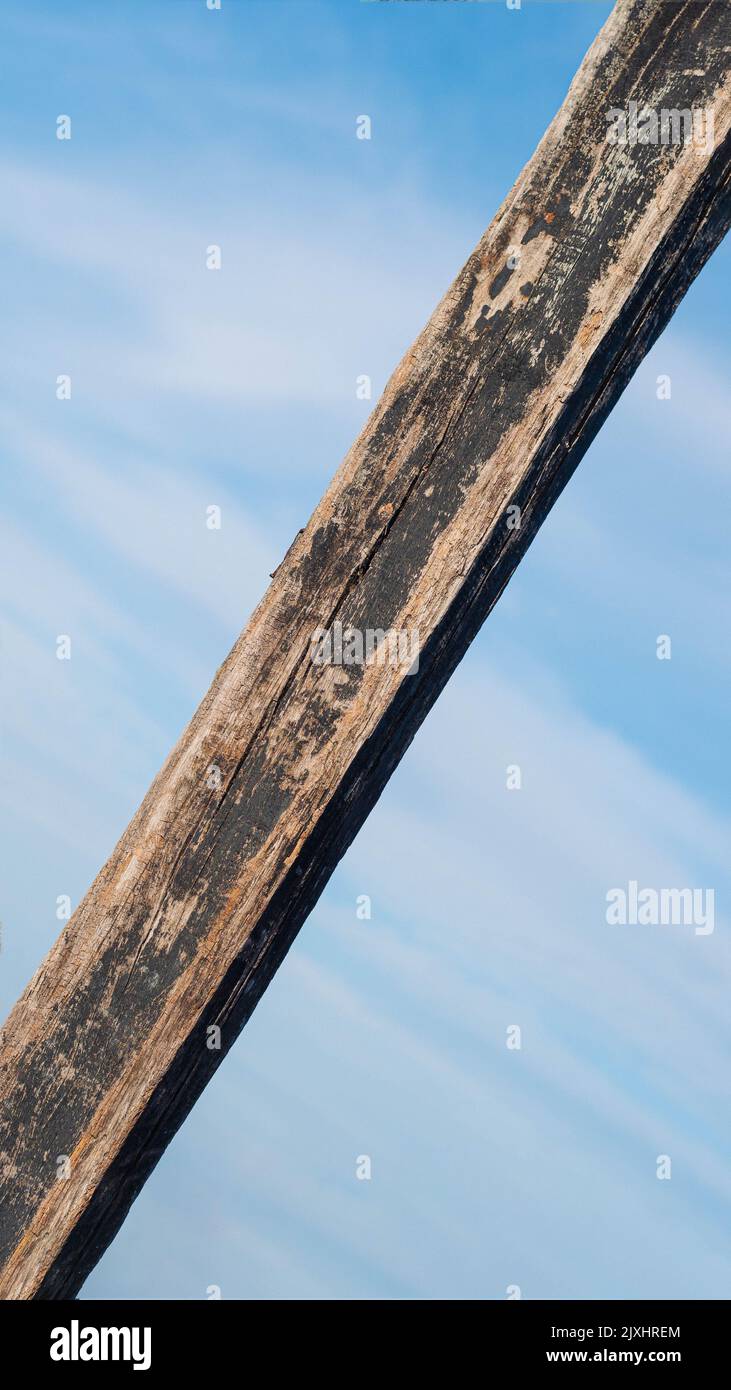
(155, 520)
(301, 305)
(488, 910)
(386, 1036)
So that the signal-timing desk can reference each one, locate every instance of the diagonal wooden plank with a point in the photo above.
(478, 430)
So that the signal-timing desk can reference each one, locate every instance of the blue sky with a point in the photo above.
(385, 1037)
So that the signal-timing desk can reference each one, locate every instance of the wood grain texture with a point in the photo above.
(493, 406)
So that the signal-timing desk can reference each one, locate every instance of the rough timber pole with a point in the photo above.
(491, 409)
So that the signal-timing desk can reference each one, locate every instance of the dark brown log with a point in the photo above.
(492, 408)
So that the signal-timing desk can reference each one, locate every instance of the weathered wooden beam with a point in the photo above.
(489, 412)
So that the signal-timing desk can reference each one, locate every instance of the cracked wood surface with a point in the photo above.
(493, 406)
